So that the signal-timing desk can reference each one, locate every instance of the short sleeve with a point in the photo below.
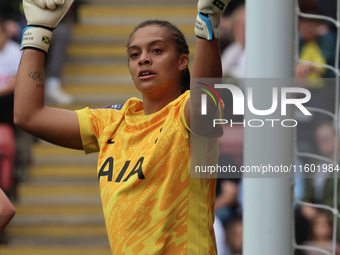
(94, 122)
(88, 134)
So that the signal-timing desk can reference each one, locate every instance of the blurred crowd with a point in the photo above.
(315, 134)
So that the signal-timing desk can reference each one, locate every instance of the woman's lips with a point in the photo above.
(146, 74)
(145, 77)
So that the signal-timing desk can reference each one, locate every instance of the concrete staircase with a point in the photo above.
(97, 72)
(59, 209)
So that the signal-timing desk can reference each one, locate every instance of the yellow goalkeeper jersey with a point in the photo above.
(150, 203)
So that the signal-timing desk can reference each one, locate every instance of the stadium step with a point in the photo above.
(49, 189)
(136, 13)
(56, 155)
(62, 172)
(113, 33)
(97, 54)
(58, 208)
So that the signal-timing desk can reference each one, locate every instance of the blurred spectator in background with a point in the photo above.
(321, 231)
(9, 61)
(55, 59)
(233, 56)
(221, 238)
(328, 8)
(318, 48)
(320, 185)
(234, 235)
(313, 46)
(226, 23)
(12, 12)
(322, 98)
(319, 189)
(228, 202)
(10, 56)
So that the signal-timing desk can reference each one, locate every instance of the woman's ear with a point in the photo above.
(183, 62)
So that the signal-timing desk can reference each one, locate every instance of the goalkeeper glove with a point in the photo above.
(42, 18)
(208, 18)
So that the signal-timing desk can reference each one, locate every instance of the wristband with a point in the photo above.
(36, 37)
(208, 26)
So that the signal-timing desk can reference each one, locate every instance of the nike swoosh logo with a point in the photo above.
(110, 141)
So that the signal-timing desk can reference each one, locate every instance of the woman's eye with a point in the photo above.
(157, 51)
(133, 55)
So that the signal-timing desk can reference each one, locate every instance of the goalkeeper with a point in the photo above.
(150, 203)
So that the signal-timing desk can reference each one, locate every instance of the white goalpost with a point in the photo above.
(268, 203)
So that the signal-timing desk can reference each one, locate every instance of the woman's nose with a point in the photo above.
(144, 59)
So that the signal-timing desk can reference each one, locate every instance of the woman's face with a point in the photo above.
(325, 137)
(308, 29)
(154, 62)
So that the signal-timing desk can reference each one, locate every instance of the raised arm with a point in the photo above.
(30, 113)
(54, 125)
(207, 60)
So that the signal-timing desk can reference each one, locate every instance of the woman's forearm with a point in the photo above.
(207, 60)
(54, 125)
(29, 88)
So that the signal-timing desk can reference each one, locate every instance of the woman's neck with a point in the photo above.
(152, 105)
